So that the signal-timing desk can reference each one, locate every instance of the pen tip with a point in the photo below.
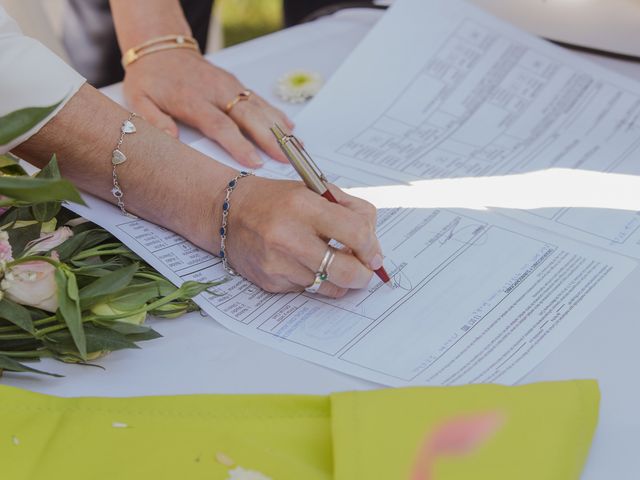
(383, 275)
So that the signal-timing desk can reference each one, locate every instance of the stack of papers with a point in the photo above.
(504, 171)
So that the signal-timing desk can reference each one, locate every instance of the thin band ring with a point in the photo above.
(242, 96)
(322, 274)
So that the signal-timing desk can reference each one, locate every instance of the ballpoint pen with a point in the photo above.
(311, 175)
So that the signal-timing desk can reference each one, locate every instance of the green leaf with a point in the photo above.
(133, 332)
(110, 283)
(10, 365)
(69, 310)
(124, 328)
(144, 336)
(21, 121)
(10, 166)
(190, 288)
(82, 241)
(98, 339)
(19, 237)
(51, 170)
(72, 287)
(16, 314)
(7, 161)
(134, 297)
(43, 212)
(37, 190)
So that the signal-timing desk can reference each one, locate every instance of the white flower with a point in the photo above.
(5, 249)
(240, 473)
(298, 86)
(48, 241)
(32, 284)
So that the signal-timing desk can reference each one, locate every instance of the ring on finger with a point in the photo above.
(322, 273)
(242, 96)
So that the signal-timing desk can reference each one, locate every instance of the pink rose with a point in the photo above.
(47, 241)
(6, 255)
(32, 284)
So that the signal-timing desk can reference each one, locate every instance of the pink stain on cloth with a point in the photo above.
(457, 437)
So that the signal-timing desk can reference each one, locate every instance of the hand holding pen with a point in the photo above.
(315, 180)
(277, 235)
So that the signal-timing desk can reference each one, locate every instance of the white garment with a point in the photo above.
(32, 76)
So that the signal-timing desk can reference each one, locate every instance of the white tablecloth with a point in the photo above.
(198, 356)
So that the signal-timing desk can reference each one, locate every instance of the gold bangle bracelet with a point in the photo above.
(158, 44)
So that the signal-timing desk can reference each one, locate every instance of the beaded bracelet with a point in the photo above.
(226, 206)
(118, 158)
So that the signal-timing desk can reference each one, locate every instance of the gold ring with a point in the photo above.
(242, 96)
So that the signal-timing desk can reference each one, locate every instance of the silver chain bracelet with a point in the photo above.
(118, 158)
(226, 206)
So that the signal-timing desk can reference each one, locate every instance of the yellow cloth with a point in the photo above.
(546, 433)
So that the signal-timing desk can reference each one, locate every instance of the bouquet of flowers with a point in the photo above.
(69, 290)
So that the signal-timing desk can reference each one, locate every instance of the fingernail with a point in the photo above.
(255, 160)
(376, 262)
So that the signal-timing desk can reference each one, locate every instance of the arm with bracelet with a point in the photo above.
(274, 230)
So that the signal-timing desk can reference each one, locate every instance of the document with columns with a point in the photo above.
(440, 113)
(444, 96)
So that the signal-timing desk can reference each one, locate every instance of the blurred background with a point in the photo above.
(235, 21)
(82, 32)
(243, 20)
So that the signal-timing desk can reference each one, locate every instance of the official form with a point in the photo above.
(467, 96)
(478, 296)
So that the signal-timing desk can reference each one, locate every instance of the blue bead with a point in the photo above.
(221, 254)
(243, 173)
(222, 230)
(232, 183)
(225, 206)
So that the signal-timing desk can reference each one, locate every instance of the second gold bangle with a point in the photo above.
(158, 44)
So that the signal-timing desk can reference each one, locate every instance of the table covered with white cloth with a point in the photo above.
(196, 355)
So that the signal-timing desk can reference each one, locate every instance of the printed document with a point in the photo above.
(441, 90)
(477, 296)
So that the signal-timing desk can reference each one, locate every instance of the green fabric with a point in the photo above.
(546, 434)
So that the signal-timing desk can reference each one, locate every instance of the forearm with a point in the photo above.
(163, 180)
(140, 20)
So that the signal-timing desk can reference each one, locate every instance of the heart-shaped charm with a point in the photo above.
(117, 157)
(128, 127)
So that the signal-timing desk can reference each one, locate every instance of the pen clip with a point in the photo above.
(288, 140)
(307, 157)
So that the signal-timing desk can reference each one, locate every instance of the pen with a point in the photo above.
(311, 175)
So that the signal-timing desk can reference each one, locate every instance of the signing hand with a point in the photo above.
(278, 233)
(181, 85)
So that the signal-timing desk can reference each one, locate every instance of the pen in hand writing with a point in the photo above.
(311, 175)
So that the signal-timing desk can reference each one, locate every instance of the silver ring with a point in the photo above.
(322, 274)
(315, 286)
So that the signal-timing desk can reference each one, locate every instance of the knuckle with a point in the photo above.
(361, 234)
(218, 123)
(372, 212)
(274, 236)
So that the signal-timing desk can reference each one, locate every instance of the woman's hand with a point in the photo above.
(180, 84)
(278, 232)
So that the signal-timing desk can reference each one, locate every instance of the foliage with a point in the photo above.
(69, 290)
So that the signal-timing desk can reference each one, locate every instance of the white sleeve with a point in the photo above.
(32, 76)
